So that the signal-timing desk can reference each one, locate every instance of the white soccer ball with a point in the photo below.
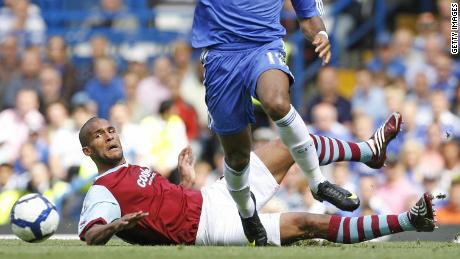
(34, 218)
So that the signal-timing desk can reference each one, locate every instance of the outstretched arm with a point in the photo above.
(314, 30)
(100, 234)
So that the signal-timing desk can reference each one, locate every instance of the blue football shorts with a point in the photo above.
(231, 79)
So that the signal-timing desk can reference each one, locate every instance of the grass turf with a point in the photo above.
(117, 249)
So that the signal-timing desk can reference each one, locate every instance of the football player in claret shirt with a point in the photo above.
(141, 207)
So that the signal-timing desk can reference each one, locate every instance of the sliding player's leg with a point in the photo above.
(278, 159)
(371, 152)
(299, 226)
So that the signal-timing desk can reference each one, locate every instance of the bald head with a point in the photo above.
(83, 134)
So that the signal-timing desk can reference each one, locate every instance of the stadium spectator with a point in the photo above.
(325, 122)
(427, 27)
(362, 128)
(394, 98)
(328, 92)
(99, 47)
(112, 15)
(396, 191)
(291, 192)
(206, 175)
(386, 63)
(40, 178)
(135, 108)
(450, 214)
(57, 115)
(431, 51)
(24, 20)
(10, 186)
(449, 122)
(153, 90)
(403, 46)
(415, 126)
(431, 159)
(57, 56)
(19, 122)
(341, 176)
(130, 133)
(61, 134)
(193, 91)
(185, 111)
(368, 98)
(106, 88)
(9, 63)
(137, 59)
(164, 137)
(28, 156)
(411, 155)
(51, 85)
(456, 103)
(420, 95)
(446, 81)
(41, 182)
(182, 53)
(450, 151)
(370, 204)
(9, 180)
(27, 78)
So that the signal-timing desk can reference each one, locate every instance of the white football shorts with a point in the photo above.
(220, 223)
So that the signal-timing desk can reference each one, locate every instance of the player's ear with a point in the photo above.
(87, 151)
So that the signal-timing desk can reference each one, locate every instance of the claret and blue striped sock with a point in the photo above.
(349, 230)
(335, 150)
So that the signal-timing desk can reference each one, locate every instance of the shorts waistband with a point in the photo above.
(239, 46)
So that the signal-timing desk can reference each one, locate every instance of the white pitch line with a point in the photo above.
(54, 237)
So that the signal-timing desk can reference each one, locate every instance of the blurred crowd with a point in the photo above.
(157, 106)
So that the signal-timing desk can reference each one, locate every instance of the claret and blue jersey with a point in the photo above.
(231, 21)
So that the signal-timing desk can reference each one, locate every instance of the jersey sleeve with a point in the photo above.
(99, 207)
(308, 8)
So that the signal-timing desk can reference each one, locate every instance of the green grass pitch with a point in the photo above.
(60, 249)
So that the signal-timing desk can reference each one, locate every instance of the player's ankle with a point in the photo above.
(249, 210)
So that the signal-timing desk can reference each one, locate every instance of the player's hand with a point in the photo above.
(186, 167)
(323, 47)
(130, 220)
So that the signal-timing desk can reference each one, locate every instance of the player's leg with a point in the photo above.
(273, 92)
(299, 226)
(371, 152)
(278, 160)
(237, 148)
(230, 111)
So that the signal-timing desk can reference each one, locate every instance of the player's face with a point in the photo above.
(104, 143)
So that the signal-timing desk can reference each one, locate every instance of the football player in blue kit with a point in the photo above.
(243, 56)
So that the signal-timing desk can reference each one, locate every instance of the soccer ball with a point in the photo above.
(34, 218)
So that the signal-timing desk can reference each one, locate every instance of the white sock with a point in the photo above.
(294, 134)
(238, 186)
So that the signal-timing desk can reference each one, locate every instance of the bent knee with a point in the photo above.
(277, 107)
(237, 161)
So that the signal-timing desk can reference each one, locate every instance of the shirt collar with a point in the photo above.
(112, 170)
